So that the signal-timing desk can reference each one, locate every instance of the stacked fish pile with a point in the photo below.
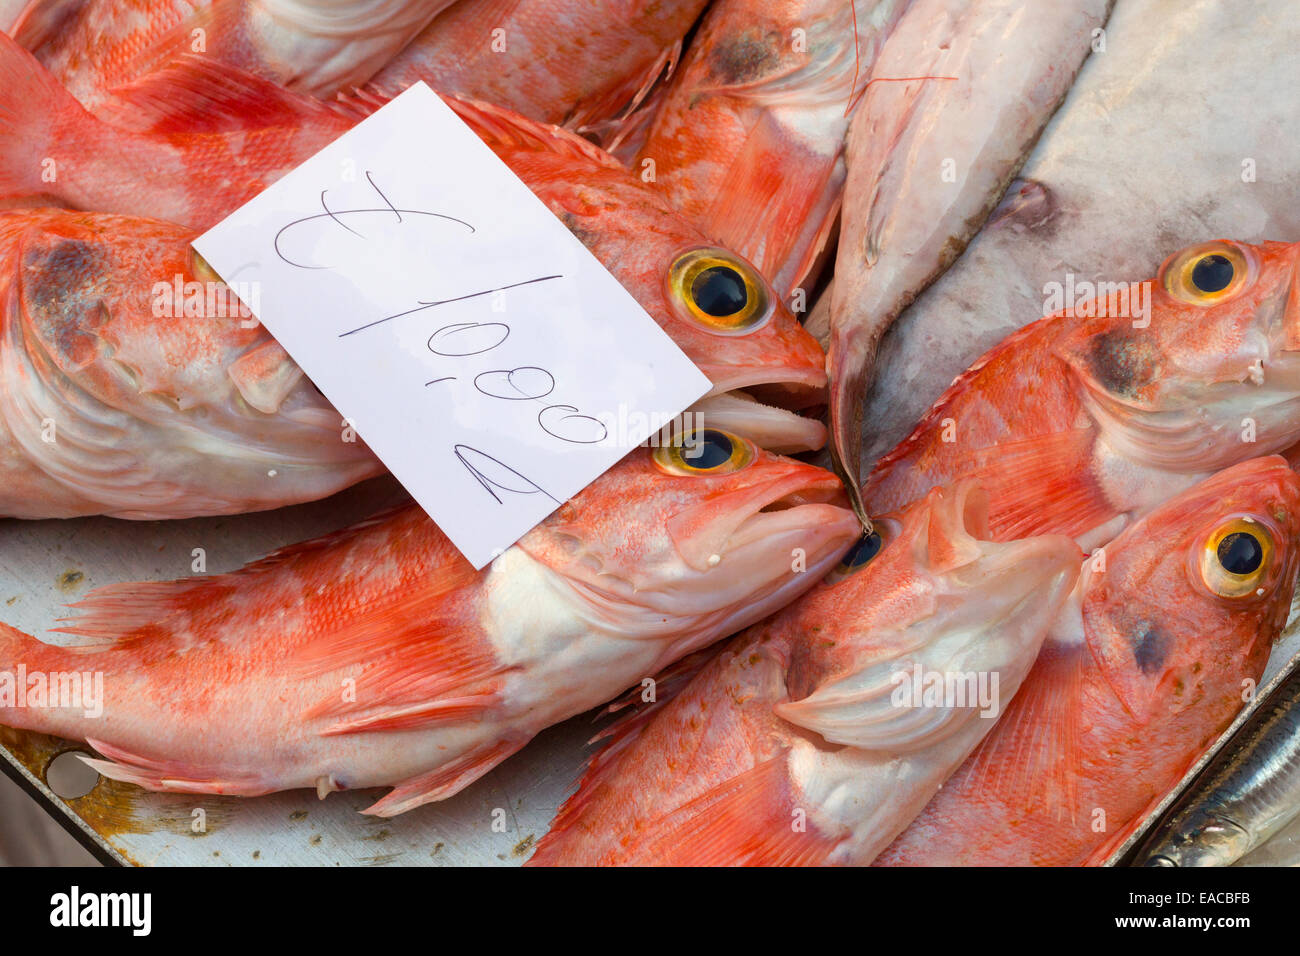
(1001, 631)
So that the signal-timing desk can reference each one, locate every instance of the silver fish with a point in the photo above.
(1245, 795)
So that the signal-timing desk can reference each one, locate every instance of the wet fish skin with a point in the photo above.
(1072, 215)
(116, 401)
(580, 63)
(1142, 672)
(205, 119)
(1082, 421)
(377, 656)
(997, 70)
(317, 48)
(1248, 792)
(748, 139)
(789, 746)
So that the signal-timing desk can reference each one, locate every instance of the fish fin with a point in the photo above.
(446, 781)
(745, 821)
(1043, 485)
(44, 21)
(605, 117)
(668, 683)
(744, 213)
(140, 610)
(265, 375)
(420, 658)
(1037, 485)
(418, 715)
(33, 105)
(172, 776)
(504, 129)
(196, 94)
(621, 734)
(1029, 762)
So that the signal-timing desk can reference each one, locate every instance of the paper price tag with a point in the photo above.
(489, 360)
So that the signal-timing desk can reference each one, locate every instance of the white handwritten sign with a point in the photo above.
(472, 341)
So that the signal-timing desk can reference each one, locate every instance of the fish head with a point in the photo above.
(1203, 838)
(1199, 367)
(719, 310)
(130, 310)
(926, 591)
(1181, 609)
(705, 530)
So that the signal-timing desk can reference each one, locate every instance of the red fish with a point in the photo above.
(377, 657)
(207, 139)
(749, 138)
(794, 744)
(1151, 660)
(318, 48)
(1092, 416)
(585, 64)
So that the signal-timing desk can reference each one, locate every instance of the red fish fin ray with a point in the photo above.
(33, 104)
(196, 94)
(414, 716)
(1029, 760)
(446, 781)
(942, 407)
(220, 21)
(170, 776)
(1035, 485)
(742, 821)
(744, 207)
(621, 734)
(669, 682)
(422, 654)
(1043, 484)
(607, 115)
(505, 129)
(139, 610)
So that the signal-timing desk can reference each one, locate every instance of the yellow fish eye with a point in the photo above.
(719, 290)
(862, 553)
(1206, 274)
(200, 268)
(705, 451)
(1237, 558)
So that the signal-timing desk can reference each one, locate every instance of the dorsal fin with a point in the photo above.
(195, 94)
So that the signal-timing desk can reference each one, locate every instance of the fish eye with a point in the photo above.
(200, 268)
(705, 451)
(863, 550)
(1237, 557)
(862, 553)
(719, 290)
(1206, 274)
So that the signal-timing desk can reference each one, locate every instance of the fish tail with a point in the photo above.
(38, 684)
(34, 110)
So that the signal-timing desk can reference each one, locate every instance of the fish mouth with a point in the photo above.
(772, 408)
(776, 429)
(761, 546)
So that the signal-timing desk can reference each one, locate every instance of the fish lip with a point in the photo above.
(731, 378)
(778, 506)
(779, 430)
